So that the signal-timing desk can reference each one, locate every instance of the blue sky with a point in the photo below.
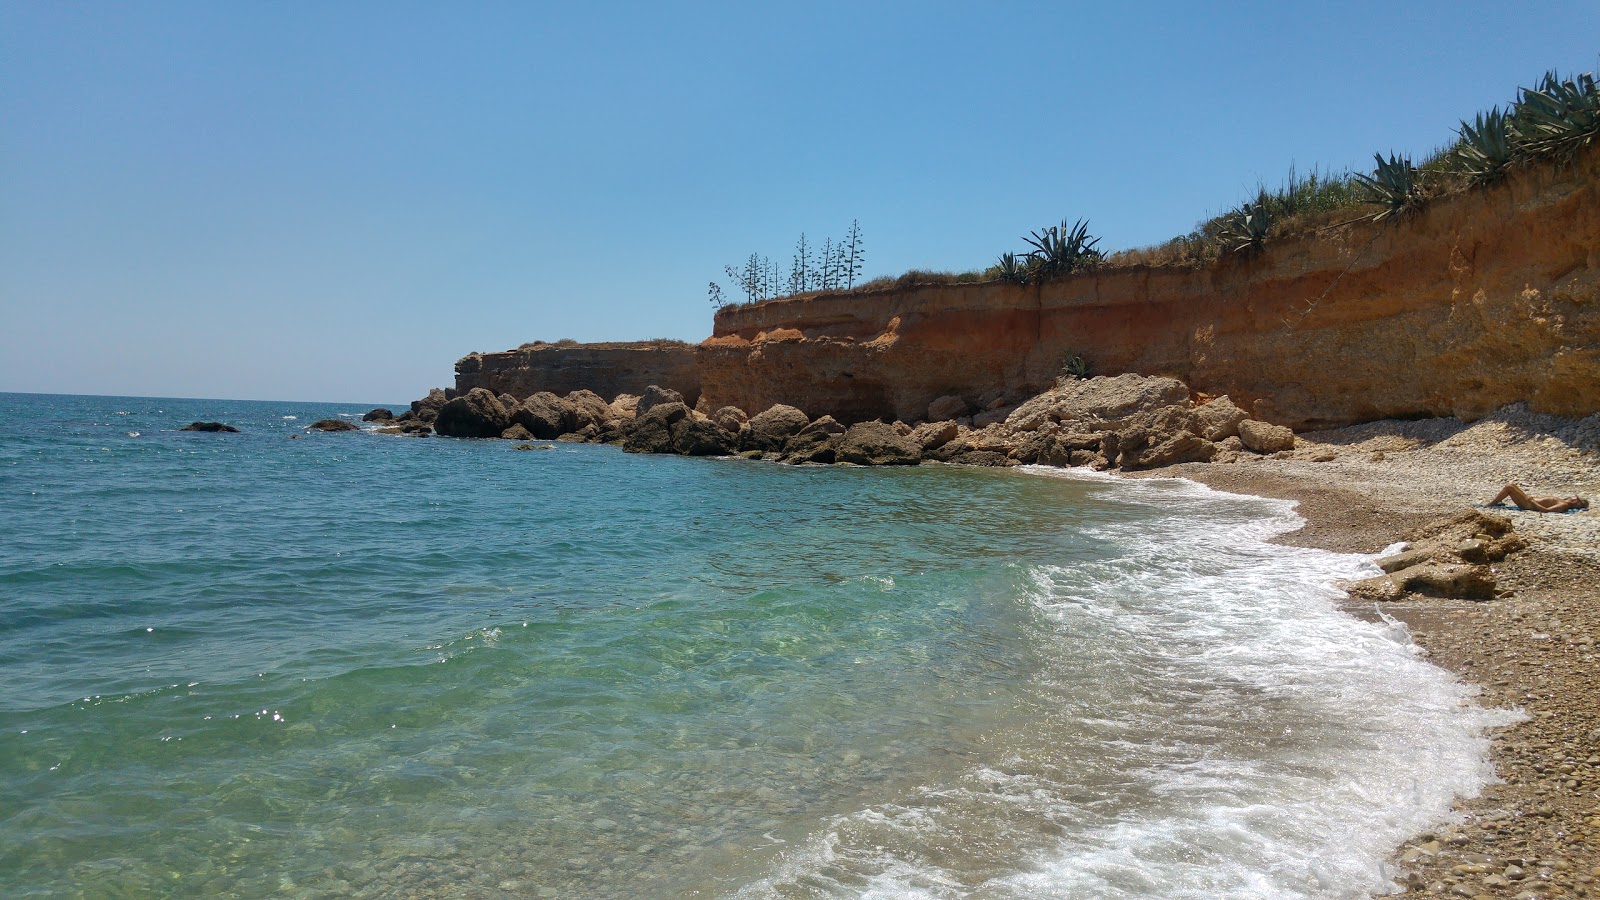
(336, 201)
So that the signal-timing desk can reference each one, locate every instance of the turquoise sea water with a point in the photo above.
(354, 664)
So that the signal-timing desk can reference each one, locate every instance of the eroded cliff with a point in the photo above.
(1481, 299)
(607, 369)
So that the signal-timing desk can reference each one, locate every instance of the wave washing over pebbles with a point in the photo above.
(1213, 725)
(360, 665)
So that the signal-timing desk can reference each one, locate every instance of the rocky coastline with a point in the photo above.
(1506, 599)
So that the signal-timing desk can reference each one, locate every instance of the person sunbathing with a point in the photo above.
(1537, 504)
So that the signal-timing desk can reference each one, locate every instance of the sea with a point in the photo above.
(285, 663)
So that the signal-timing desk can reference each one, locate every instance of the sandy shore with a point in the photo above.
(1537, 649)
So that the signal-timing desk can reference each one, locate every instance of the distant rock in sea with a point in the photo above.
(209, 426)
(331, 425)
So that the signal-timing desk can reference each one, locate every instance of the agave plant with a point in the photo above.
(1073, 366)
(1485, 148)
(1559, 116)
(1393, 184)
(1011, 269)
(1062, 250)
(1246, 227)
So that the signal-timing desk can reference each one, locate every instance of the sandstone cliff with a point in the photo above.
(607, 369)
(1482, 299)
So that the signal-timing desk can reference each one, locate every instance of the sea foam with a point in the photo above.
(1214, 725)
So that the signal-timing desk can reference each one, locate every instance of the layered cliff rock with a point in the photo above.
(1481, 299)
(607, 369)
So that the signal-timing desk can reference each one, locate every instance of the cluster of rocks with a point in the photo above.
(1124, 422)
(1452, 558)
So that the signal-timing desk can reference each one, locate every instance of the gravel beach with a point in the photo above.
(1534, 648)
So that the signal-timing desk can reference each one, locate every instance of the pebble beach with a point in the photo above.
(1533, 649)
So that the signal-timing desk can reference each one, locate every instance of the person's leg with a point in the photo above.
(1504, 493)
(1519, 497)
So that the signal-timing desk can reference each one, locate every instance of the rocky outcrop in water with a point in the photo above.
(332, 425)
(213, 427)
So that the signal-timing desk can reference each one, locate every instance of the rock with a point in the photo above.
(876, 444)
(731, 418)
(948, 407)
(1264, 438)
(379, 414)
(694, 436)
(332, 425)
(434, 402)
(654, 396)
(1219, 419)
(533, 447)
(931, 435)
(1403, 560)
(1456, 580)
(993, 416)
(215, 427)
(420, 429)
(546, 415)
(1106, 399)
(477, 413)
(652, 431)
(1185, 446)
(982, 458)
(900, 428)
(823, 425)
(624, 406)
(516, 433)
(772, 429)
(1036, 446)
(589, 408)
(818, 442)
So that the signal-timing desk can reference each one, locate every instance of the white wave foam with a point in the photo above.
(1215, 726)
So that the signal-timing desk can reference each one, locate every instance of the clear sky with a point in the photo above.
(335, 201)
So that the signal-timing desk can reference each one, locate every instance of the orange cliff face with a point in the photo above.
(1481, 299)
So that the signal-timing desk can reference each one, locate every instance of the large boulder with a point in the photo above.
(546, 415)
(1265, 438)
(1180, 447)
(731, 418)
(818, 442)
(1100, 399)
(947, 407)
(877, 444)
(332, 425)
(654, 396)
(591, 408)
(477, 413)
(772, 429)
(932, 435)
(1461, 581)
(624, 406)
(379, 414)
(652, 432)
(696, 436)
(1219, 419)
(516, 433)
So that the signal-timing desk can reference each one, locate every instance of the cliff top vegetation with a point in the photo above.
(1547, 124)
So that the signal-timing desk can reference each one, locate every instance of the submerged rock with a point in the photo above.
(332, 425)
(214, 427)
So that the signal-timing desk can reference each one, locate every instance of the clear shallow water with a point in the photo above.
(358, 665)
